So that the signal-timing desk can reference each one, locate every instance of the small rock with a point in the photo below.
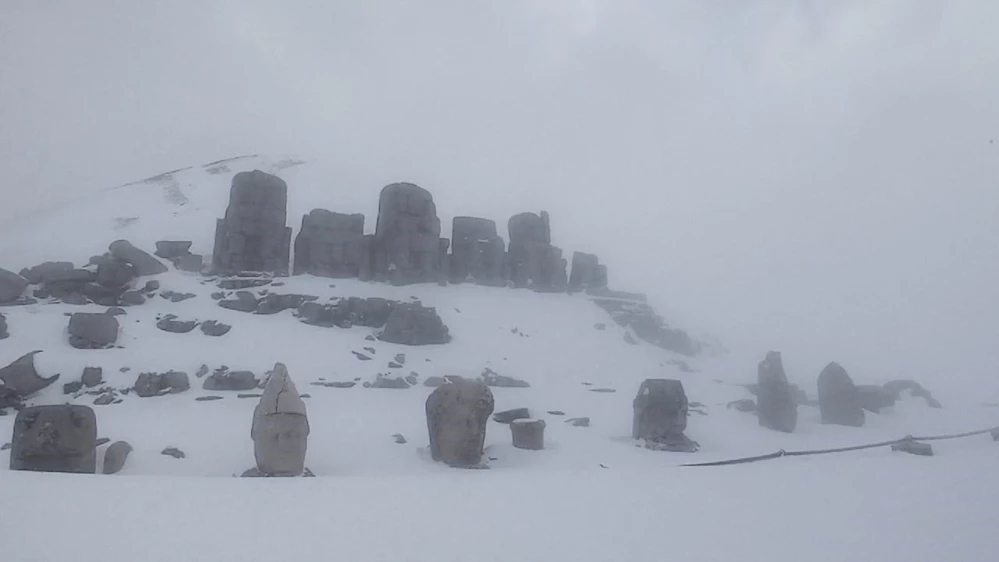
(528, 434)
(347, 384)
(556, 412)
(399, 438)
(115, 311)
(509, 416)
(232, 381)
(604, 390)
(913, 448)
(370, 350)
(491, 378)
(5, 446)
(394, 365)
(115, 456)
(361, 356)
(177, 381)
(124, 369)
(92, 376)
(102, 441)
(202, 371)
(237, 284)
(173, 452)
(388, 382)
(72, 387)
(209, 398)
(217, 296)
(151, 285)
(132, 298)
(104, 399)
(214, 328)
(578, 422)
(249, 395)
(400, 358)
(169, 323)
(169, 249)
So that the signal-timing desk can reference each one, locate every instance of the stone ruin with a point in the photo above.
(59, 438)
(280, 429)
(407, 242)
(332, 245)
(534, 262)
(588, 274)
(839, 399)
(478, 253)
(777, 408)
(457, 413)
(660, 416)
(22, 379)
(528, 434)
(253, 235)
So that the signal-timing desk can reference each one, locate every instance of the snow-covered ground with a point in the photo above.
(592, 494)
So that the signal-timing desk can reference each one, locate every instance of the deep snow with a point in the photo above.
(374, 499)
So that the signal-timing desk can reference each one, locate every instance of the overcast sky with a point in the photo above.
(819, 177)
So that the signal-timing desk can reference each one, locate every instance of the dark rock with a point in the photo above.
(21, 377)
(361, 356)
(173, 452)
(238, 284)
(874, 398)
(399, 438)
(92, 376)
(244, 302)
(72, 387)
(115, 311)
(12, 286)
(92, 331)
(556, 412)
(143, 263)
(400, 358)
(75, 299)
(913, 448)
(45, 272)
(413, 324)
(249, 395)
(233, 381)
(839, 400)
(102, 441)
(509, 416)
(382, 381)
(177, 381)
(587, 273)
(169, 249)
(218, 296)
(331, 245)
(214, 328)
(456, 419)
(4, 334)
(743, 405)
(347, 384)
(777, 407)
(177, 297)
(208, 398)
(104, 399)
(528, 434)
(533, 261)
(434, 382)
(169, 323)
(491, 378)
(394, 365)
(640, 318)
(149, 384)
(132, 298)
(151, 285)
(55, 439)
(897, 387)
(115, 456)
(604, 390)
(661, 416)
(406, 245)
(202, 371)
(578, 422)
(114, 273)
(253, 235)
(370, 350)
(995, 434)
(477, 253)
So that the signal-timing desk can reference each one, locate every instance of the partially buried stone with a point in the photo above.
(660, 416)
(55, 439)
(231, 380)
(143, 263)
(214, 328)
(92, 330)
(169, 323)
(528, 434)
(509, 416)
(491, 378)
(839, 400)
(382, 381)
(115, 456)
(414, 324)
(244, 302)
(280, 428)
(104, 399)
(578, 422)
(72, 387)
(170, 249)
(777, 407)
(913, 448)
(457, 413)
(4, 334)
(210, 398)
(173, 452)
(22, 378)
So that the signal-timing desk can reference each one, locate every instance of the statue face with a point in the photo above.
(280, 441)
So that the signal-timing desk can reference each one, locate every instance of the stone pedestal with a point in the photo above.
(528, 434)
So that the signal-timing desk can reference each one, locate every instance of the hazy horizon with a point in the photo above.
(820, 178)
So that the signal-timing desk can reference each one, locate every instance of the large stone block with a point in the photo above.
(457, 413)
(407, 236)
(533, 261)
(253, 236)
(92, 330)
(528, 434)
(777, 407)
(280, 428)
(587, 273)
(331, 245)
(478, 254)
(839, 399)
(59, 438)
(414, 324)
(660, 415)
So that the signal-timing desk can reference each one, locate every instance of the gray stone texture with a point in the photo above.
(407, 236)
(528, 434)
(143, 263)
(587, 273)
(478, 253)
(777, 409)
(92, 376)
(92, 330)
(59, 438)
(897, 387)
(231, 380)
(4, 334)
(191, 263)
(660, 414)
(114, 273)
(170, 249)
(46, 272)
(533, 261)
(331, 245)
(22, 378)
(640, 318)
(839, 400)
(115, 456)
(12, 286)
(280, 427)
(414, 324)
(253, 235)
(875, 398)
(457, 413)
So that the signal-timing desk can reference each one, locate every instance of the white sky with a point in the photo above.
(818, 177)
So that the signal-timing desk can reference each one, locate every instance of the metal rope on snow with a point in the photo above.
(783, 453)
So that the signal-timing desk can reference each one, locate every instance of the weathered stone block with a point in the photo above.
(253, 235)
(59, 438)
(457, 413)
(331, 245)
(407, 236)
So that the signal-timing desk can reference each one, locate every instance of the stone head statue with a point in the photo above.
(457, 413)
(280, 427)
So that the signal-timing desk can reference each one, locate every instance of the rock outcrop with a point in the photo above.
(331, 245)
(478, 254)
(253, 235)
(55, 439)
(534, 263)
(280, 428)
(660, 416)
(776, 408)
(839, 400)
(587, 273)
(88, 330)
(21, 377)
(457, 413)
(407, 240)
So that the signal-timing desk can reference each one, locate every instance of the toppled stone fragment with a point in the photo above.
(508, 416)
(115, 456)
(170, 249)
(231, 380)
(92, 330)
(59, 438)
(913, 448)
(22, 378)
(12, 286)
(169, 323)
(143, 263)
(528, 434)
(414, 324)
(214, 328)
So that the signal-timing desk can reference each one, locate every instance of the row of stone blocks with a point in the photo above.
(405, 248)
(63, 438)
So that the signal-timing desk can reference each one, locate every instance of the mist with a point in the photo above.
(820, 178)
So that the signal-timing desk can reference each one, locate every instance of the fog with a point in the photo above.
(820, 178)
